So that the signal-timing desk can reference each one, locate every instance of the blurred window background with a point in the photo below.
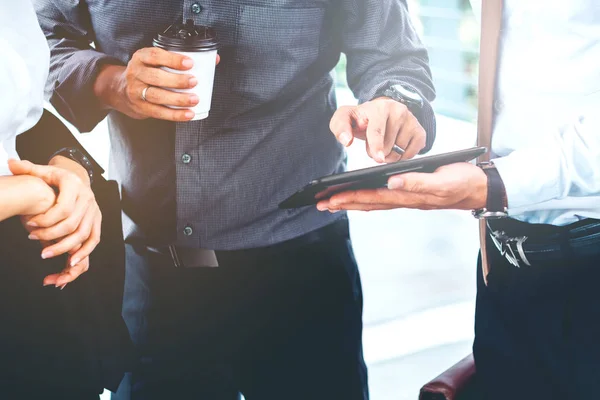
(451, 35)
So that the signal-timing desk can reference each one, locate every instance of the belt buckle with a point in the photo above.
(510, 247)
(193, 257)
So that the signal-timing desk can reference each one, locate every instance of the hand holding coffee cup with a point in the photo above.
(160, 84)
(198, 43)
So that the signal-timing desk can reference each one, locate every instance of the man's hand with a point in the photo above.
(460, 186)
(382, 123)
(121, 87)
(74, 222)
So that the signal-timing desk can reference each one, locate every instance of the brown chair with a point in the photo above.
(457, 383)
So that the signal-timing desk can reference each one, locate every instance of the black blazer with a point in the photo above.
(92, 304)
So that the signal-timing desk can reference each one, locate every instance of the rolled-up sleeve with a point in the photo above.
(383, 49)
(74, 64)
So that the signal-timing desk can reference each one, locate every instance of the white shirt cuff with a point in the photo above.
(530, 176)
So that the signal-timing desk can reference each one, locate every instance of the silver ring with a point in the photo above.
(144, 93)
(398, 149)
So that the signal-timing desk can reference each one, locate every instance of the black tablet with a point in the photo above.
(373, 177)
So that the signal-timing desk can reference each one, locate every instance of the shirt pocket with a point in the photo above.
(274, 46)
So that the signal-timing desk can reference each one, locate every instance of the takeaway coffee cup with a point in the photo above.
(200, 44)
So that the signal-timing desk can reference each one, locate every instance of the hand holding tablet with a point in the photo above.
(374, 177)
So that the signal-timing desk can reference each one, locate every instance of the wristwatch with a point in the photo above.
(497, 203)
(77, 155)
(411, 99)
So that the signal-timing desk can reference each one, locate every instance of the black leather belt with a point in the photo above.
(193, 257)
(524, 244)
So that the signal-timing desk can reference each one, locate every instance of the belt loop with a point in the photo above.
(175, 257)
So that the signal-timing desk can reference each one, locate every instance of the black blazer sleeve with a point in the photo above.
(98, 292)
(47, 137)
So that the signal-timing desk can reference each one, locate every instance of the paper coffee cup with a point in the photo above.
(200, 44)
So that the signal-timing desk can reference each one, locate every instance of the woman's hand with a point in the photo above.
(69, 273)
(73, 222)
(28, 195)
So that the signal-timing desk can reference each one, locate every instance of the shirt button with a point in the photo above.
(188, 231)
(196, 8)
(186, 158)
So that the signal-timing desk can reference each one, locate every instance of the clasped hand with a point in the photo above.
(66, 223)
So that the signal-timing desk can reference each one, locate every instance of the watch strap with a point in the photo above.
(77, 155)
(496, 195)
(418, 107)
(414, 106)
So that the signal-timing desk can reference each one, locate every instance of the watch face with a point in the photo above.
(407, 93)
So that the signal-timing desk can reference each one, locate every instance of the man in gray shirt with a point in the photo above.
(282, 312)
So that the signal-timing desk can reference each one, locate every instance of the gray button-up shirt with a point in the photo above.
(216, 183)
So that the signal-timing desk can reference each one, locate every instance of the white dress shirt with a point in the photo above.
(547, 109)
(24, 64)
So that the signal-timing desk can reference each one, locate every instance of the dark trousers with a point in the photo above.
(284, 323)
(60, 391)
(537, 329)
(47, 342)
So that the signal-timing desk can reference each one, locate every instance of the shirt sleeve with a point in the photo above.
(19, 110)
(74, 63)
(16, 80)
(48, 136)
(383, 49)
(23, 70)
(566, 165)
